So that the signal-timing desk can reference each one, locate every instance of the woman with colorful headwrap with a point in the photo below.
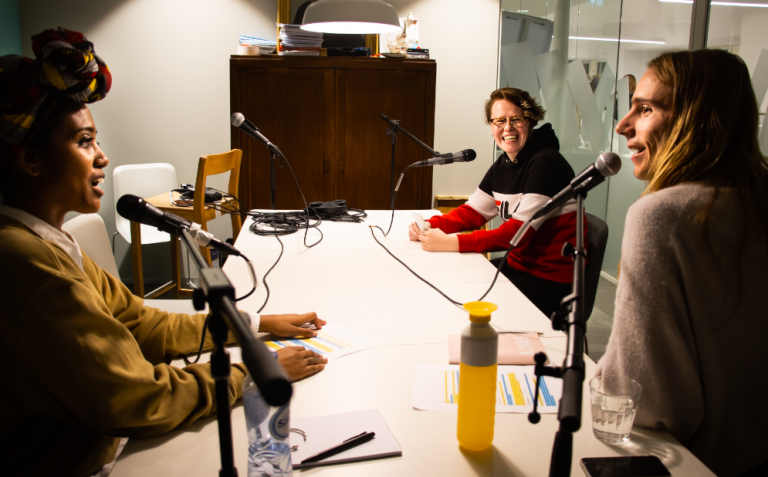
(86, 360)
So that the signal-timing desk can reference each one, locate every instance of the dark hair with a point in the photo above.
(519, 98)
(40, 140)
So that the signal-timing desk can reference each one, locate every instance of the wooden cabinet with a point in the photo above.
(324, 113)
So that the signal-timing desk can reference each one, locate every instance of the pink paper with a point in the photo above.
(514, 348)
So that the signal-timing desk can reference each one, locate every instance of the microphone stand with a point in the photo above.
(394, 127)
(217, 291)
(272, 180)
(573, 369)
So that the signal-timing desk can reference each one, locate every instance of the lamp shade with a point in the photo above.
(351, 16)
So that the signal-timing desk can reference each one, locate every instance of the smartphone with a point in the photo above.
(419, 221)
(630, 466)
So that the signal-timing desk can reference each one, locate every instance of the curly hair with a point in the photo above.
(522, 99)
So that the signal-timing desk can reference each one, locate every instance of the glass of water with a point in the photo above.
(614, 403)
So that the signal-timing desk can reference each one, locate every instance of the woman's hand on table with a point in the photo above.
(435, 240)
(300, 362)
(290, 325)
(413, 232)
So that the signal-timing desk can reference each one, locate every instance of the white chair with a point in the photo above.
(91, 234)
(143, 180)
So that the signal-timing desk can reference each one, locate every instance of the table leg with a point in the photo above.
(176, 267)
(138, 270)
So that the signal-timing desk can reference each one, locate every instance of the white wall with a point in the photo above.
(463, 37)
(170, 97)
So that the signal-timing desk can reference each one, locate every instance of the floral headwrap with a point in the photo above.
(65, 65)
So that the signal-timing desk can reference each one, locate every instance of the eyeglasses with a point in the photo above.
(516, 122)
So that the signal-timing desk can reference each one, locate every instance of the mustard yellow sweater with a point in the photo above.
(85, 362)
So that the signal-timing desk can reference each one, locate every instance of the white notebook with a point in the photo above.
(324, 432)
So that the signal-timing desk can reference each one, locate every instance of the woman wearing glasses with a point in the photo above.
(529, 173)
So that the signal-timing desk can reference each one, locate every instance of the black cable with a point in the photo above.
(254, 280)
(282, 223)
(498, 270)
(356, 217)
(202, 342)
(394, 194)
(306, 208)
(231, 207)
(409, 268)
(391, 220)
(282, 249)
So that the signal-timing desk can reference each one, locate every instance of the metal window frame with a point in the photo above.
(699, 25)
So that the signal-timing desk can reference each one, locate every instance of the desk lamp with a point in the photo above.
(351, 16)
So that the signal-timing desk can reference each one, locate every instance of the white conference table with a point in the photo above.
(350, 280)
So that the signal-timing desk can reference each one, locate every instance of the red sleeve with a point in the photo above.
(494, 240)
(461, 218)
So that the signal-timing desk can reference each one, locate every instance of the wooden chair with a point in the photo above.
(446, 203)
(200, 212)
(212, 165)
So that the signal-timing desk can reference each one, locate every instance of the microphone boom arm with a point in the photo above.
(394, 127)
(267, 373)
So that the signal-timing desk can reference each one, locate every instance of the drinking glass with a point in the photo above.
(614, 403)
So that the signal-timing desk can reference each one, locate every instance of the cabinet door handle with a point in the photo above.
(326, 165)
(341, 166)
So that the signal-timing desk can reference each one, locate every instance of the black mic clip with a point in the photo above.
(540, 370)
(559, 317)
(393, 125)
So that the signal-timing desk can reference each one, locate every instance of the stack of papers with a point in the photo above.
(265, 46)
(296, 42)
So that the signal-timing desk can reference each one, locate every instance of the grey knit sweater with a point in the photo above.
(691, 324)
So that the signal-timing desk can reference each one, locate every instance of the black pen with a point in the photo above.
(346, 445)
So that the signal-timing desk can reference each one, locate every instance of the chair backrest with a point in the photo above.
(92, 236)
(212, 165)
(143, 180)
(597, 238)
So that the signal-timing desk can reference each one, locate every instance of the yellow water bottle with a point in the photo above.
(477, 378)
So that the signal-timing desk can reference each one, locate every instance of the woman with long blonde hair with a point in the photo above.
(690, 320)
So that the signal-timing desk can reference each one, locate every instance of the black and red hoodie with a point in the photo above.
(516, 190)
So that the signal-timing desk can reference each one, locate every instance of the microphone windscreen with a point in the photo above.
(128, 206)
(609, 164)
(237, 119)
(471, 155)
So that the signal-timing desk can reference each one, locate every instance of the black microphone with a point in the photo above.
(467, 155)
(239, 121)
(138, 210)
(608, 164)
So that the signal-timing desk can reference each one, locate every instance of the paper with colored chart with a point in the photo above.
(333, 341)
(436, 388)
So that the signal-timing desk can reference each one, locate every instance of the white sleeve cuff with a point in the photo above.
(255, 322)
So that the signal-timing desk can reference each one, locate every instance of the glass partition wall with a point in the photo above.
(579, 58)
(740, 28)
